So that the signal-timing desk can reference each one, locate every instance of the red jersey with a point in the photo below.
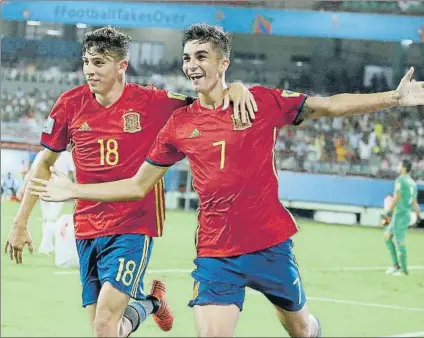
(234, 172)
(111, 144)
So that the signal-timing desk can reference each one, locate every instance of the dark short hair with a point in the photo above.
(407, 165)
(107, 41)
(203, 33)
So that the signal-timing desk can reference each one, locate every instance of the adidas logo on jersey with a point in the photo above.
(195, 133)
(84, 127)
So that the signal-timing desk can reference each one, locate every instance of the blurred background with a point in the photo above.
(333, 171)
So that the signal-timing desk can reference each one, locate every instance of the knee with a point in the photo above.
(388, 236)
(212, 332)
(105, 326)
(299, 329)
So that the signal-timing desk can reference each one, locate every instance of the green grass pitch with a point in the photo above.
(341, 266)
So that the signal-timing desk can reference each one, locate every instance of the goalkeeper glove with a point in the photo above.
(386, 218)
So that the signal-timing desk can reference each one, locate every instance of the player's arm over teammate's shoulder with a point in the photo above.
(408, 93)
(244, 103)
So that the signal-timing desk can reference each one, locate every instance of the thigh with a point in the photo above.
(122, 261)
(400, 226)
(215, 320)
(111, 305)
(274, 273)
(297, 323)
(218, 281)
(90, 282)
(91, 309)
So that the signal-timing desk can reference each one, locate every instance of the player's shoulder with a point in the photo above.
(75, 94)
(152, 92)
(183, 112)
(284, 93)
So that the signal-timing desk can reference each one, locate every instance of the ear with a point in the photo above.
(225, 63)
(122, 66)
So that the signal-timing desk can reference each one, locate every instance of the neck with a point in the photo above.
(112, 95)
(215, 97)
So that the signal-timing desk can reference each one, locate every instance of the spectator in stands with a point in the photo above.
(365, 149)
(9, 187)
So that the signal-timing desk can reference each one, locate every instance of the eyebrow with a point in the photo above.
(97, 58)
(197, 53)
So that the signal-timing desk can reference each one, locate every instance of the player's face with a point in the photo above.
(203, 65)
(102, 72)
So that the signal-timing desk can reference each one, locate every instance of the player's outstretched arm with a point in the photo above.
(408, 93)
(19, 235)
(61, 188)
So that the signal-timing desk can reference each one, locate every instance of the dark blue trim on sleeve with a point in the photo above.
(190, 100)
(295, 121)
(50, 148)
(159, 164)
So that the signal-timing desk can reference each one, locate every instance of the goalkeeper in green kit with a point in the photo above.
(399, 214)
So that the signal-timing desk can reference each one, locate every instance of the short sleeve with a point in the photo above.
(164, 153)
(55, 130)
(283, 105)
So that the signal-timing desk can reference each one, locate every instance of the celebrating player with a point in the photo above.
(112, 125)
(399, 213)
(244, 233)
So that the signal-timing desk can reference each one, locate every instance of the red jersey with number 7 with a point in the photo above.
(110, 144)
(234, 172)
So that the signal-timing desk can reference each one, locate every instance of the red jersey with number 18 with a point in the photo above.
(110, 144)
(234, 172)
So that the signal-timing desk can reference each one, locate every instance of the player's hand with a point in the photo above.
(16, 240)
(242, 100)
(58, 189)
(410, 92)
(385, 220)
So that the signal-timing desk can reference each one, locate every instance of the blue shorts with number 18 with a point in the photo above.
(272, 271)
(119, 259)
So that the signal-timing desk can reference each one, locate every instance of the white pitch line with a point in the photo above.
(360, 268)
(352, 302)
(319, 299)
(411, 334)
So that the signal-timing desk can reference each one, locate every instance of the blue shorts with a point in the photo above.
(119, 259)
(272, 271)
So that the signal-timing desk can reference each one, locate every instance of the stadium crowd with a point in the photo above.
(368, 145)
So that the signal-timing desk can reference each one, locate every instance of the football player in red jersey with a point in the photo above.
(244, 232)
(112, 124)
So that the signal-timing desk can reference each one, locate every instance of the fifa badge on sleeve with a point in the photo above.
(48, 125)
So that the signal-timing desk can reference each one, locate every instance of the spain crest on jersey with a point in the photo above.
(131, 122)
(239, 125)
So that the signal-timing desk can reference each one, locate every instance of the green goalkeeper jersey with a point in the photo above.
(407, 188)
